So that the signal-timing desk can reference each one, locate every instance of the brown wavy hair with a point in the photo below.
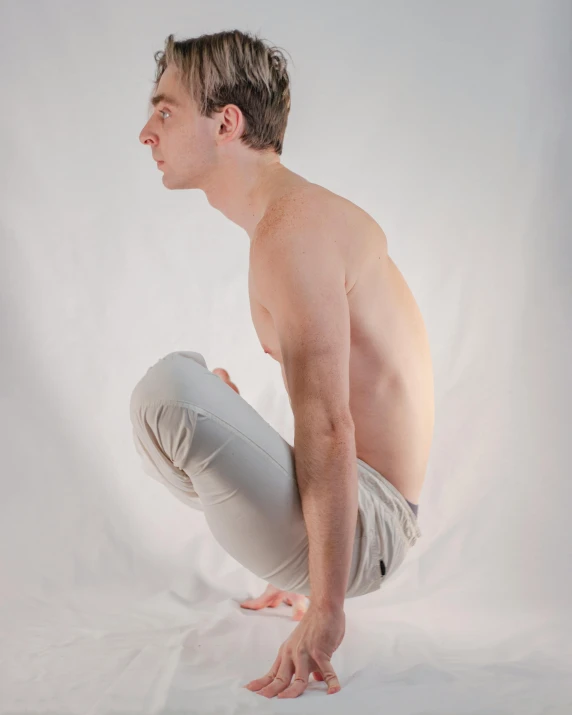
(234, 67)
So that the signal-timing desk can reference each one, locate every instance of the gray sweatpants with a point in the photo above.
(214, 452)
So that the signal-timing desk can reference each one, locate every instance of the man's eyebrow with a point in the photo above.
(158, 98)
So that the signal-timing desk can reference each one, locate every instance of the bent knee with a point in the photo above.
(164, 379)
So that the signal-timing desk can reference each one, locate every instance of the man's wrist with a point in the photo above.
(326, 605)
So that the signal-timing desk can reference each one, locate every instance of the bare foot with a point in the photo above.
(273, 597)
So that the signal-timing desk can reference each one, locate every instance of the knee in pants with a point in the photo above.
(139, 394)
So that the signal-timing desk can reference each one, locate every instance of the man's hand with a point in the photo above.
(309, 649)
(225, 377)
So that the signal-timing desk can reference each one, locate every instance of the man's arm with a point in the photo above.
(300, 276)
(327, 479)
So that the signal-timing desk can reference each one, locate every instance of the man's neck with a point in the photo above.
(243, 191)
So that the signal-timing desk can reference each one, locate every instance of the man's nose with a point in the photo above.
(147, 137)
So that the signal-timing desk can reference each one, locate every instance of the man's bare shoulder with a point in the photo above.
(309, 205)
(314, 221)
(297, 217)
(290, 207)
(334, 223)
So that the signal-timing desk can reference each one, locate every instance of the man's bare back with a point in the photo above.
(391, 376)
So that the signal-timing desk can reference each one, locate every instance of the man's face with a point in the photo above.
(179, 136)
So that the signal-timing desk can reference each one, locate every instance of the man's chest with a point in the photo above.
(263, 323)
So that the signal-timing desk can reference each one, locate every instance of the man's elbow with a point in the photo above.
(337, 424)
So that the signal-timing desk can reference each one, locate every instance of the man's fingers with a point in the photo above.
(329, 676)
(300, 682)
(225, 377)
(266, 679)
(259, 683)
(282, 679)
(282, 685)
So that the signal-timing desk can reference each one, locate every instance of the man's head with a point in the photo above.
(216, 99)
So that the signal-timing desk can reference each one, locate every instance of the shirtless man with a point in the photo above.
(390, 372)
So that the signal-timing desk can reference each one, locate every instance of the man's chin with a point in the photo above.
(170, 184)
(176, 185)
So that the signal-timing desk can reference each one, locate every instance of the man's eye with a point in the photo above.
(164, 111)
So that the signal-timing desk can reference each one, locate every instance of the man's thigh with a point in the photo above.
(213, 451)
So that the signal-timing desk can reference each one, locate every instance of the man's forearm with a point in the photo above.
(326, 470)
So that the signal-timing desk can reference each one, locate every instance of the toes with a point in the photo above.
(262, 602)
(299, 613)
(253, 603)
(300, 607)
(273, 597)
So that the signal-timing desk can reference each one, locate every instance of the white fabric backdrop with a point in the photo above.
(450, 124)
